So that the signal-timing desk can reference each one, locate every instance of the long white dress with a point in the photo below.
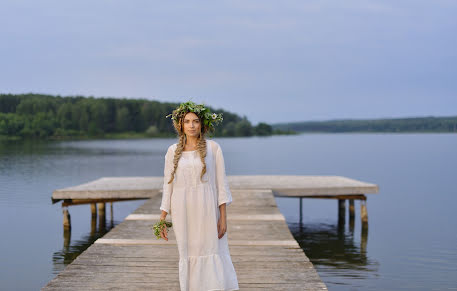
(204, 259)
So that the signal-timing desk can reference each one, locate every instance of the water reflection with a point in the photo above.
(84, 148)
(330, 247)
(72, 249)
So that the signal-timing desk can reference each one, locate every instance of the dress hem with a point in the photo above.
(216, 270)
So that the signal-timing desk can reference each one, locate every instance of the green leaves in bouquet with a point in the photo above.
(158, 226)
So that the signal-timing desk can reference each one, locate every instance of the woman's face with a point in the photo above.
(192, 124)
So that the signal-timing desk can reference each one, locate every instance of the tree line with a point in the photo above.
(412, 124)
(48, 116)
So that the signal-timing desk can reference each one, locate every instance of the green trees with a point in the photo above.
(123, 120)
(11, 124)
(263, 129)
(8, 103)
(413, 124)
(229, 129)
(64, 116)
(243, 128)
(46, 116)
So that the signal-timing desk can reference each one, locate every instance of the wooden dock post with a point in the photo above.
(364, 219)
(93, 210)
(66, 218)
(66, 238)
(101, 216)
(341, 212)
(364, 239)
(351, 215)
(111, 215)
(93, 218)
(351, 209)
(301, 211)
(364, 213)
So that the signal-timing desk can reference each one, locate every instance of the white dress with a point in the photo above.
(204, 259)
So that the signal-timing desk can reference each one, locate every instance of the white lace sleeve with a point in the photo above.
(167, 188)
(224, 195)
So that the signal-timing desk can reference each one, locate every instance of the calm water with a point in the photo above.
(411, 243)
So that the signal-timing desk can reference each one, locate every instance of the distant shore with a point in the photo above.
(130, 135)
(40, 116)
(48, 117)
(122, 135)
(428, 124)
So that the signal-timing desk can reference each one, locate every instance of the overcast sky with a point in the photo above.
(273, 61)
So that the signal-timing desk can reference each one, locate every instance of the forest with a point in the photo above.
(57, 117)
(412, 124)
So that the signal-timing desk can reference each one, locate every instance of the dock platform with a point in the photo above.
(118, 188)
(129, 257)
(264, 253)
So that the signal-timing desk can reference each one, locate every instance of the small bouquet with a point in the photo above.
(158, 227)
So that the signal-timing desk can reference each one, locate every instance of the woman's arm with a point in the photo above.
(224, 196)
(163, 215)
(167, 189)
(222, 223)
(223, 190)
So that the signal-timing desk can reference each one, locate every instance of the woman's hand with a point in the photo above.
(163, 233)
(221, 226)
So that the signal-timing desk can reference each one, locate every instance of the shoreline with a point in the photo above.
(145, 136)
(111, 136)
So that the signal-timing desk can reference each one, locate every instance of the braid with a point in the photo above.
(178, 153)
(201, 147)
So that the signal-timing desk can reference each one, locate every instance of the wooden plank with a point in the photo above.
(71, 202)
(155, 217)
(355, 196)
(287, 185)
(118, 241)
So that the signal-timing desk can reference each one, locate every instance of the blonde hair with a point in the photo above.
(201, 145)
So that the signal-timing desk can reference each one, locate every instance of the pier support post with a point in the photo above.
(66, 239)
(351, 215)
(364, 213)
(93, 219)
(101, 216)
(301, 211)
(66, 218)
(93, 209)
(363, 240)
(364, 220)
(112, 215)
(351, 209)
(341, 212)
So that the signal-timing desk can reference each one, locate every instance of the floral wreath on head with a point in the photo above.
(209, 119)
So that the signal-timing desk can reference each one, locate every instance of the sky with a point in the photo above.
(271, 61)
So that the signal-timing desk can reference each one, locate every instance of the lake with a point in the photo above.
(412, 237)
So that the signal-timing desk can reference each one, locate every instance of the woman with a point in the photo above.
(196, 194)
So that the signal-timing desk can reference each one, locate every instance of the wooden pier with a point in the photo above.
(264, 253)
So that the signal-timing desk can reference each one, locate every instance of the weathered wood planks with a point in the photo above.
(109, 188)
(264, 253)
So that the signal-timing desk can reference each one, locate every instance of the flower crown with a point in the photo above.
(208, 118)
